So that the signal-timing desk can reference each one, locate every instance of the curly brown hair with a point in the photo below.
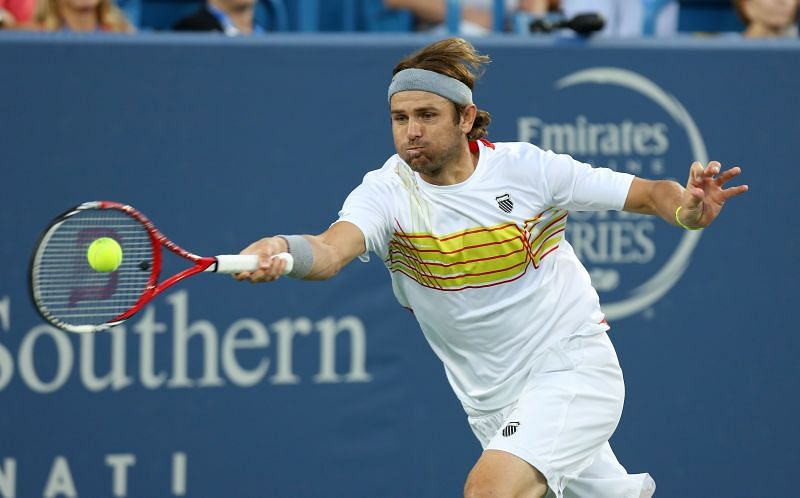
(458, 59)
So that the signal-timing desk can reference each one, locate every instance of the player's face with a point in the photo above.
(426, 133)
(777, 14)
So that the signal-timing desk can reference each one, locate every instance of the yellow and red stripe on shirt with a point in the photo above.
(476, 257)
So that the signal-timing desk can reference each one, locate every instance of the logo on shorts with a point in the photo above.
(505, 203)
(510, 429)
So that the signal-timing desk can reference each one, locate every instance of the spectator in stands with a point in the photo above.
(623, 17)
(476, 15)
(768, 18)
(629, 18)
(80, 16)
(232, 17)
(16, 12)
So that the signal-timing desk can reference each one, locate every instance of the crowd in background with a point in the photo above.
(623, 18)
(63, 15)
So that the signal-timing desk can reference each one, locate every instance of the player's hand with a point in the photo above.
(704, 195)
(269, 267)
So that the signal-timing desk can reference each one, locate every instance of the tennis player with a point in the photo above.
(472, 233)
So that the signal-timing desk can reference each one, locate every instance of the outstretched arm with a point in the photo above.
(331, 251)
(695, 206)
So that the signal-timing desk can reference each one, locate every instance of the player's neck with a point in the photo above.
(457, 171)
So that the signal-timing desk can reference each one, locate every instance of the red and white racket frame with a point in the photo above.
(219, 264)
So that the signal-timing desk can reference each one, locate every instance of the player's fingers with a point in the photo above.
(732, 192)
(267, 259)
(269, 271)
(727, 175)
(694, 185)
(695, 173)
(712, 169)
(696, 180)
(278, 264)
(264, 262)
(259, 276)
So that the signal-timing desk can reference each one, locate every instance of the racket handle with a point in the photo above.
(235, 263)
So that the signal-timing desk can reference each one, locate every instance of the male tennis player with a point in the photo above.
(473, 235)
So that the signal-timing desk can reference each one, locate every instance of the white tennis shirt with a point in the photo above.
(483, 264)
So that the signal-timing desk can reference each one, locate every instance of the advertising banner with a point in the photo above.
(308, 389)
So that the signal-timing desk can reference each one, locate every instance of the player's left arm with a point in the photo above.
(700, 202)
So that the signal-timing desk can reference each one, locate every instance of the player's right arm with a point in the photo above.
(331, 251)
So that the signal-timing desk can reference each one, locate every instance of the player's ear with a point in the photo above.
(468, 117)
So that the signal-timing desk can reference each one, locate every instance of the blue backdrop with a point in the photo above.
(328, 389)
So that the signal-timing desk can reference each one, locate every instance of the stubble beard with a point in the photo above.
(432, 163)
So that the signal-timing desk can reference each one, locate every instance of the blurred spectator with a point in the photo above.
(623, 17)
(629, 18)
(476, 15)
(14, 12)
(232, 17)
(80, 16)
(768, 18)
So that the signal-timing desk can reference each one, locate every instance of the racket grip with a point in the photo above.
(236, 263)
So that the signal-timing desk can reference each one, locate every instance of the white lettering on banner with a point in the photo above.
(286, 330)
(259, 338)
(179, 474)
(60, 481)
(613, 241)
(116, 377)
(240, 355)
(583, 138)
(181, 333)
(328, 329)
(6, 360)
(26, 359)
(8, 478)
(147, 328)
(5, 313)
(608, 247)
(120, 463)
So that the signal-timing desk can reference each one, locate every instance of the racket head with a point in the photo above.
(68, 293)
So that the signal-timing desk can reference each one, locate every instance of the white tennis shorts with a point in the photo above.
(563, 419)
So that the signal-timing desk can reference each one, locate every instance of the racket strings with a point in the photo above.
(65, 285)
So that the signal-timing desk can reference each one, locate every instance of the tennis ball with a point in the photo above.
(104, 255)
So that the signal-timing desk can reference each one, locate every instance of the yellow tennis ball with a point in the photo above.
(104, 255)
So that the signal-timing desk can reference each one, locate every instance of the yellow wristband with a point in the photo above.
(678, 220)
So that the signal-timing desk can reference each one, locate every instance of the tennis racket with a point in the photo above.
(74, 297)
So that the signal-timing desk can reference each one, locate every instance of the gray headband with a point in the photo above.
(433, 82)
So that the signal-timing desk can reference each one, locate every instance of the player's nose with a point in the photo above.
(414, 129)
